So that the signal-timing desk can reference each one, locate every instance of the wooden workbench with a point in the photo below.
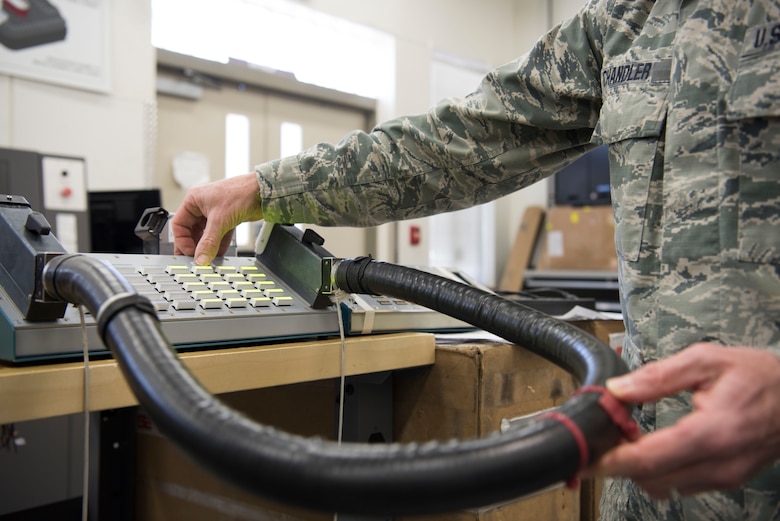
(42, 391)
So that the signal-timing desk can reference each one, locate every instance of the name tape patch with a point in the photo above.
(637, 72)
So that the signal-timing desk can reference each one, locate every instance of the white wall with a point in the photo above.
(486, 33)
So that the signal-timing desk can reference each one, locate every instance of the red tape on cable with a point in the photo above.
(579, 438)
(616, 410)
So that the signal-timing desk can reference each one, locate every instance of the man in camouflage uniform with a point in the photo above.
(685, 93)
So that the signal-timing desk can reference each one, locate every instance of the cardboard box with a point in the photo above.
(469, 390)
(611, 332)
(170, 485)
(578, 238)
(466, 394)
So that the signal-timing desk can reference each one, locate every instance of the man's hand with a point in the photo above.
(732, 433)
(203, 225)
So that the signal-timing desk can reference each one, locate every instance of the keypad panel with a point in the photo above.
(186, 286)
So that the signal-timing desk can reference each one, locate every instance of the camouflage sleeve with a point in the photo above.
(527, 119)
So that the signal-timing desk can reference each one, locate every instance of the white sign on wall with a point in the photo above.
(65, 42)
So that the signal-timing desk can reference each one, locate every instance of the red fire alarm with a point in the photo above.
(414, 235)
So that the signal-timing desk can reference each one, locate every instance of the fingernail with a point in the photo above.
(620, 384)
(202, 259)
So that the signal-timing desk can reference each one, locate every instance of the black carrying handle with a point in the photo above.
(360, 479)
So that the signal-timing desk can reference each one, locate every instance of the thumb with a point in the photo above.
(204, 253)
(212, 243)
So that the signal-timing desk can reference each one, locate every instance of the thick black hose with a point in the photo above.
(359, 479)
(576, 351)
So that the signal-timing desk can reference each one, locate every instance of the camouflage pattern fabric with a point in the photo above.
(687, 96)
